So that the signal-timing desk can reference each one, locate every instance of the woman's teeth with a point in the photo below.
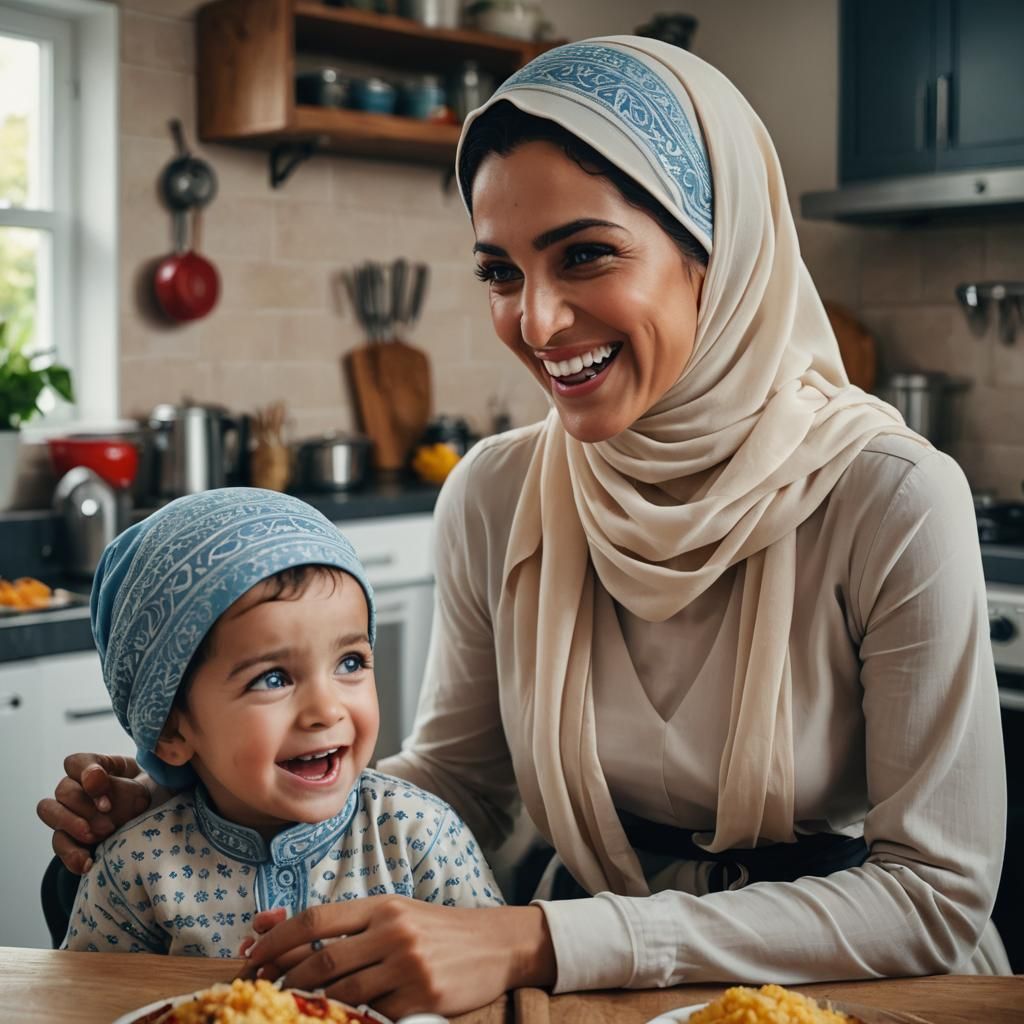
(589, 360)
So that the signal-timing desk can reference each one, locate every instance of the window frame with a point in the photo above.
(82, 221)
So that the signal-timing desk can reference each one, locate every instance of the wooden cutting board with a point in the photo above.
(391, 382)
(857, 346)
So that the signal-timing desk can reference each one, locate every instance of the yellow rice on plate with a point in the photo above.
(770, 1004)
(247, 1002)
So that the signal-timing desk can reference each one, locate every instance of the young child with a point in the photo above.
(236, 631)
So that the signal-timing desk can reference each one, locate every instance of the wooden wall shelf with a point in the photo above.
(247, 53)
(386, 39)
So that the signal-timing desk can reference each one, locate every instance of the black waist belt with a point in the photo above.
(820, 854)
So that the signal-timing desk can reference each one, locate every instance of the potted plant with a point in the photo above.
(23, 379)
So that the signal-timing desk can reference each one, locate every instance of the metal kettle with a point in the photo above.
(90, 514)
(196, 448)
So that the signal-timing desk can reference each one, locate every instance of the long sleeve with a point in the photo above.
(112, 911)
(935, 794)
(458, 748)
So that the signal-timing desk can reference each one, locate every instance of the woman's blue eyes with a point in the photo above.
(576, 256)
(275, 679)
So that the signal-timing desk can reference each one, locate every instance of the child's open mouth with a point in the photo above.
(319, 767)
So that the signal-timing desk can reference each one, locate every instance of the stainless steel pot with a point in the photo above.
(923, 400)
(334, 462)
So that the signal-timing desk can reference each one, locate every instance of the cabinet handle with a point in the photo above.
(10, 703)
(942, 111)
(375, 561)
(921, 120)
(79, 716)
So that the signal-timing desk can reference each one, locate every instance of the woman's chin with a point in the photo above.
(590, 428)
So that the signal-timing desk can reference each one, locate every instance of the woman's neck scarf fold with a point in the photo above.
(161, 586)
(741, 450)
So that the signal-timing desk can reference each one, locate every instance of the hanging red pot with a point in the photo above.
(187, 285)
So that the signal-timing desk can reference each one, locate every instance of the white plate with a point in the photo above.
(677, 1015)
(171, 1001)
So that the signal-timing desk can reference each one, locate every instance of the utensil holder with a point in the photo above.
(978, 299)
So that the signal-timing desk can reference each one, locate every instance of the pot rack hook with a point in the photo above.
(179, 136)
(285, 157)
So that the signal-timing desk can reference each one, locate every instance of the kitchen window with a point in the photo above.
(58, 193)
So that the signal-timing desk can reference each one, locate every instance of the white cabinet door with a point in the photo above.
(49, 708)
(396, 552)
(23, 846)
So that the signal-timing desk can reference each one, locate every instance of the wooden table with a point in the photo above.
(42, 985)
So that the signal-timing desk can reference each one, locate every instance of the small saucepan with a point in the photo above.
(187, 285)
(334, 462)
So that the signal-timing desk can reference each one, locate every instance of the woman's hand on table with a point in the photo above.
(402, 955)
(99, 793)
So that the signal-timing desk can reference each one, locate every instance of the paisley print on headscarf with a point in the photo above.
(625, 89)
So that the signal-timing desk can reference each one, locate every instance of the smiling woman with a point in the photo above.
(718, 622)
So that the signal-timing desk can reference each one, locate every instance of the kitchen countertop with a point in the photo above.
(28, 541)
(95, 988)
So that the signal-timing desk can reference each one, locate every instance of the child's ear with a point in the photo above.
(172, 746)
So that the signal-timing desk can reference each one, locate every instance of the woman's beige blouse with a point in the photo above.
(895, 721)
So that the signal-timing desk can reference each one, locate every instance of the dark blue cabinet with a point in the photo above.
(930, 85)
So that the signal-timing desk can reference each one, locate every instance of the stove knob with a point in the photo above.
(1001, 629)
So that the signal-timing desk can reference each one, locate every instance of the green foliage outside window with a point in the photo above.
(18, 247)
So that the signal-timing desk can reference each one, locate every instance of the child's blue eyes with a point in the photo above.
(275, 679)
(272, 680)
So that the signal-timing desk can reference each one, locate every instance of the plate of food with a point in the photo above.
(250, 1002)
(27, 594)
(773, 1004)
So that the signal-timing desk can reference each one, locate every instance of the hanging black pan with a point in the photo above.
(187, 181)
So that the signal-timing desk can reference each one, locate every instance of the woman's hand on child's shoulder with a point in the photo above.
(99, 794)
(404, 956)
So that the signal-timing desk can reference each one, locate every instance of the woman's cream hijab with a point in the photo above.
(745, 446)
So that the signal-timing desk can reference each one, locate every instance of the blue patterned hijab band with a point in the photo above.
(623, 102)
(163, 583)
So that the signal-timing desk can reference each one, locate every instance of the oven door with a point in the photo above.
(1010, 900)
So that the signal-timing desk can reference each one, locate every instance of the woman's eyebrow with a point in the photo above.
(491, 250)
(543, 240)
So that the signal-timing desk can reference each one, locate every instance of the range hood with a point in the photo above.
(920, 197)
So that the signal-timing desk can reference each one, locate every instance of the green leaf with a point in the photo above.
(59, 378)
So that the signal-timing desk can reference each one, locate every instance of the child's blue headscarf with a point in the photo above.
(163, 583)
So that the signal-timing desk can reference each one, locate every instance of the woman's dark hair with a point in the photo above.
(503, 127)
